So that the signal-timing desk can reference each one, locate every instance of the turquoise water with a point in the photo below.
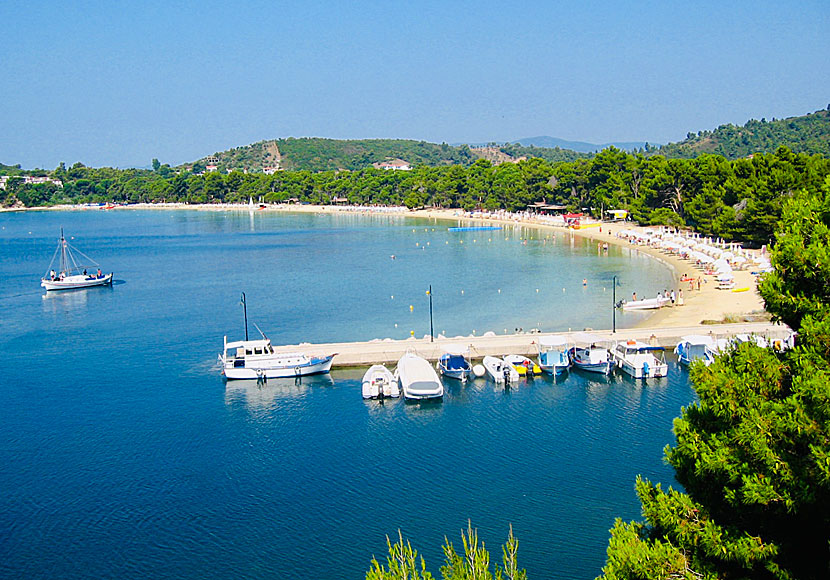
(123, 453)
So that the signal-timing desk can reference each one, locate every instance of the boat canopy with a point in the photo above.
(638, 346)
(249, 344)
(697, 340)
(552, 340)
(587, 339)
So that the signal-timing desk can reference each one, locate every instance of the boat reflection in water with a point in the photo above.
(272, 393)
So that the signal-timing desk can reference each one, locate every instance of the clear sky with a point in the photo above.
(119, 83)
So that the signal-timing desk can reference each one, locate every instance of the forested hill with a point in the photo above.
(318, 154)
(805, 134)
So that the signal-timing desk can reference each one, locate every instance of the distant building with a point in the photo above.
(393, 164)
(211, 164)
(270, 170)
(38, 180)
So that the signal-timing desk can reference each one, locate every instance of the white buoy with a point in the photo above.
(479, 370)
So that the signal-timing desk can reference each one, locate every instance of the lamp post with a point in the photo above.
(431, 333)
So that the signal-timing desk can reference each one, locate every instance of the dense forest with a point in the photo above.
(804, 134)
(317, 154)
(738, 200)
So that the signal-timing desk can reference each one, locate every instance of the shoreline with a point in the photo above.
(708, 303)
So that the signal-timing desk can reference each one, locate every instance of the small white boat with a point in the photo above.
(646, 304)
(455, 362)
(256, 359)
(640, 360)
(379, 382)
(523, 365)
(70, 274)
(695, 346)
(499, 370)
(589, 354)
(553, 354)
(418, 380)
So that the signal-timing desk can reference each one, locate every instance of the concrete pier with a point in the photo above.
(351, 354)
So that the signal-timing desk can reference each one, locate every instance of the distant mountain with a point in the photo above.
(805, 134)
(580, 146)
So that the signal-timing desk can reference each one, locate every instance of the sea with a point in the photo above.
(124, 453)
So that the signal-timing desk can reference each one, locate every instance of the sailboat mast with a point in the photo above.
(63, 253)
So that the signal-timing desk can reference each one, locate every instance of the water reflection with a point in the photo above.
(271, 394)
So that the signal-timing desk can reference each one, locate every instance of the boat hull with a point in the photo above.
(605, 368)
(76, 282)
(277, 367)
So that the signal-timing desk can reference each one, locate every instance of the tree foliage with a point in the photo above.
(805, 134)
(753, 454)
(402, 563)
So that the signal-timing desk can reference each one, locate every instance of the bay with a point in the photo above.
(123, 453)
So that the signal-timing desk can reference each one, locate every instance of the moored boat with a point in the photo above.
(256, 359)
(646, 304)
(695, 346)
(418, 380)
(379, 382)
(553, 354)
(455, 363)
(523, 365)
(590, 354)
(639, 360)
(70, 274)
(500, 371)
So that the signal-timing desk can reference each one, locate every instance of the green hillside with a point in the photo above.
(318, 154)
(805, 134)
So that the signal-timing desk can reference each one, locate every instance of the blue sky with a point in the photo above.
(115, 84)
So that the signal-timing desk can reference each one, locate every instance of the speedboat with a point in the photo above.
(256, 359)
(696, 347)
(455, 364)
(71, 274)
(523, 365)
(588, 354)
(500, 371)
(417, 378)
(553, 354)
(640, 360)
(379, 382)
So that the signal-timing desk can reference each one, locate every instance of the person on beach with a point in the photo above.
(672, 297)
(634, 297)
(680, 297)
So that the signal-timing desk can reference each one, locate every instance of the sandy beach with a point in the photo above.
(707, 304)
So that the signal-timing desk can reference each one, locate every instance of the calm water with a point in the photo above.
(123, 453)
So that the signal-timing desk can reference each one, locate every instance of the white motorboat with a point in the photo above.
(553, 354)
(418, 380)
(646, 304)
(590, 354)
(71, 274)
(640, 360)
(523, 365)
(256, 359)
(500, 371)
(455, 362)
(379, 382)
(695, 346)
